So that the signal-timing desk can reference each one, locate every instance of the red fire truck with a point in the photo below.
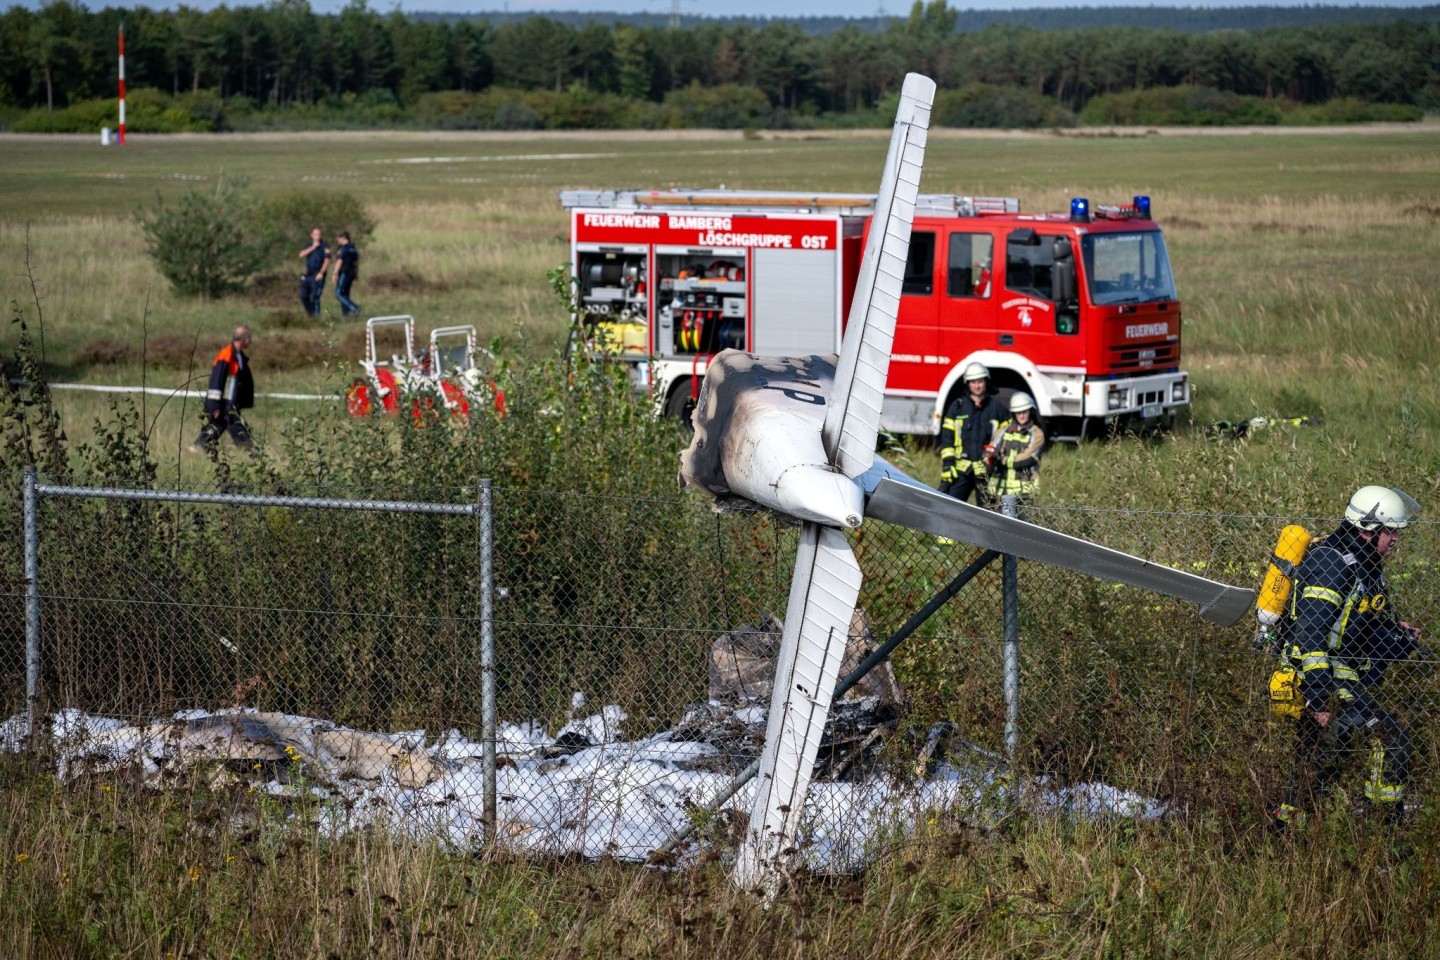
(1077, 309)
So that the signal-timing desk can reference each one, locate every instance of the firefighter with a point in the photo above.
(231, 390)
(1016, 451)
(965, 433)
(1341, 635)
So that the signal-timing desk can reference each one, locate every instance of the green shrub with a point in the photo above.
(729, 106)
(87, 116)
(285, 221)
(987, 105)
(1180, 106)
(1350, 110)
(206, 243)
(146, 111)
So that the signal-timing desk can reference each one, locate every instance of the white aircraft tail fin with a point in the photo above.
(852, 422)
(817, 626)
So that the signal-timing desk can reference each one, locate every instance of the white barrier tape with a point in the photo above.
(163, 392)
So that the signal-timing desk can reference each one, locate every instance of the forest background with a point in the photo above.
(284, 66)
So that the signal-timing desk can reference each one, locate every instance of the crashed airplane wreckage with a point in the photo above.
(797, 436)
(792, 435)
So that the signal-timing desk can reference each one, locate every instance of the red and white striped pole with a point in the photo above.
(122, 83)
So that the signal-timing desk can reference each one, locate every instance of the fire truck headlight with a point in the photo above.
(1116, 399)
(1142, 207)
(1080, 210)
(1177, 391)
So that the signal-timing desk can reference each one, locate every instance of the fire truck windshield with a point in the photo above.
(1127, 268)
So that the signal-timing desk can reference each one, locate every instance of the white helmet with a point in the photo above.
(1021, 401)
(975, 371)
(1374, 507)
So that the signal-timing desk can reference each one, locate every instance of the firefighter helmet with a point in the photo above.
(975, 371)
(1021, 401)
(1374, 507)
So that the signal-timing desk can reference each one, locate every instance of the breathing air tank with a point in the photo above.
(1275, 591)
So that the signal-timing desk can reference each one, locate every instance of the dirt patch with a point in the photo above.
(288, 350)
(1275, 226)
(167, 351)
(296, 319)
(283, 290)
(275, 290)
(402, 281)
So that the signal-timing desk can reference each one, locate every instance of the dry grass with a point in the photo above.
(98, 868)
(1308, 287)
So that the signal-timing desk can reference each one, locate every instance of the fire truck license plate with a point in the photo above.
(1150, 410)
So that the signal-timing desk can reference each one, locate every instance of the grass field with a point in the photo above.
(1305, 261)
(1300, 256)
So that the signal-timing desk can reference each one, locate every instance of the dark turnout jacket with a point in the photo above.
(230, 381)
(1343, 633)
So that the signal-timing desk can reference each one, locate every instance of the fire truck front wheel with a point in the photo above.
(681, 406)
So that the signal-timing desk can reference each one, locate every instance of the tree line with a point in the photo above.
(283, 55)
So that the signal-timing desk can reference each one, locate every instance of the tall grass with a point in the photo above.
(101, 868)
(1307, 288)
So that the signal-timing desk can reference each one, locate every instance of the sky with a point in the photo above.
(742, 8)
(803, 8)
(844, 8)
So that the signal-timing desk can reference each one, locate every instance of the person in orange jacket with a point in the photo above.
(231, 389)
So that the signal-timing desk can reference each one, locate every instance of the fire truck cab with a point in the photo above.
(1077, 309)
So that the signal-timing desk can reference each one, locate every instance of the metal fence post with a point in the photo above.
(1010, 585)
(32, 597)
(487, 651)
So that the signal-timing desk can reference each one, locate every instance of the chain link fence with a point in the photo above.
(582, 674)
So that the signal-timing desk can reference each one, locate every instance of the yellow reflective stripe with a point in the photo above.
(1318, 660)
(1377, 788)
(1345, 673)
(1322, 593)
(1384, 792)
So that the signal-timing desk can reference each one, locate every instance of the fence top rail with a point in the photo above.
(257, 500)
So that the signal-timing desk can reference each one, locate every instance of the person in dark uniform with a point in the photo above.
(231, 390)
(312, 281)
(1342, 635)
(347, 266)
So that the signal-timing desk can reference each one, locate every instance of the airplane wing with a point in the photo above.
(921, 508)
(852, 423)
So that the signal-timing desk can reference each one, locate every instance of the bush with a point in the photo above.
(146, 111)
(990, 106)
(728, 106)
(1349, 110)
(205, 243)
(285, 221)
(1181, 106)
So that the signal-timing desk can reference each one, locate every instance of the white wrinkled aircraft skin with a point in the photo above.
(757, 438)
(817, 624)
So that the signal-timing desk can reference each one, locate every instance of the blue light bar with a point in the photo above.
(1142, 207)
(1080, 210)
